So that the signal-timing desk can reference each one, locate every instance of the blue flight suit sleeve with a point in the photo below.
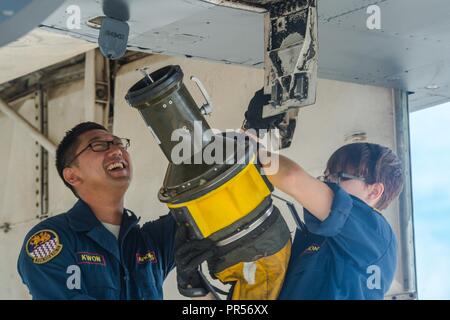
(353, 229)
(46, 273)
(162, 234)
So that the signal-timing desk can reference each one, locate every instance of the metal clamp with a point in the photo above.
(207, 108)
(247, 230)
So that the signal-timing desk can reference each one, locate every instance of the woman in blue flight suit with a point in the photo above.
(348, 250)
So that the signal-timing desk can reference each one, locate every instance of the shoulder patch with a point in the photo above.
(43, 246)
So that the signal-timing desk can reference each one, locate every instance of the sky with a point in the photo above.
(430, 158)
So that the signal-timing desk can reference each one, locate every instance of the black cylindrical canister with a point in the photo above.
(169, 110)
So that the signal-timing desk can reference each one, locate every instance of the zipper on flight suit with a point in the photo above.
(125, 274)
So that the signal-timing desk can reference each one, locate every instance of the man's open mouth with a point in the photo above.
(116, 166)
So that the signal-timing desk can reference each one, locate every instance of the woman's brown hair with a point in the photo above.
(375, 163)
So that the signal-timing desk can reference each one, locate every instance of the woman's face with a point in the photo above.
(369, 193)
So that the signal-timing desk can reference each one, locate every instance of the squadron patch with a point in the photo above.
(43, 246)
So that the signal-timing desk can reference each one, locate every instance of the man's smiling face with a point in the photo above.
(106, 169)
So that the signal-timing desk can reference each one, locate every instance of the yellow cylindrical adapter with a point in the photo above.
(226, 204)
(227, 200)
(250, 232)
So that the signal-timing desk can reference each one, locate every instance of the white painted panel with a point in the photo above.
(65, 110)
(11, 287)
(17, 186)
(36, 50)
(17, 194)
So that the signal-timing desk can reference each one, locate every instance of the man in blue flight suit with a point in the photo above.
(97, 250)
(348, 249)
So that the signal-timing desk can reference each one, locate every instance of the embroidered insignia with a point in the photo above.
(43, 246)
(147, 257)
(312, 248)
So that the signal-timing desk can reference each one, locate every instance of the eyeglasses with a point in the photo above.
(103, 145)
(340, 176)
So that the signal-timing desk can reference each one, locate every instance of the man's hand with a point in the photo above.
(189, 255)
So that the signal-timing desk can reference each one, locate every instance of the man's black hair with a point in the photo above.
(68, 146)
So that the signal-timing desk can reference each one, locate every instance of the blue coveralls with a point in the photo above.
(352, 254)
(73, 256)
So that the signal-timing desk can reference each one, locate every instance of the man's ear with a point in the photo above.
(376, 191)
(71, 176)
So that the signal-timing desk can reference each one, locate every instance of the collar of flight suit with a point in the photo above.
(82, 219)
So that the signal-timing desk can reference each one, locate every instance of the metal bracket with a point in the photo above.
(291, 55)
(98, 89)
(42, 178)
(405, 296)
(406, 206)
(290, 61)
